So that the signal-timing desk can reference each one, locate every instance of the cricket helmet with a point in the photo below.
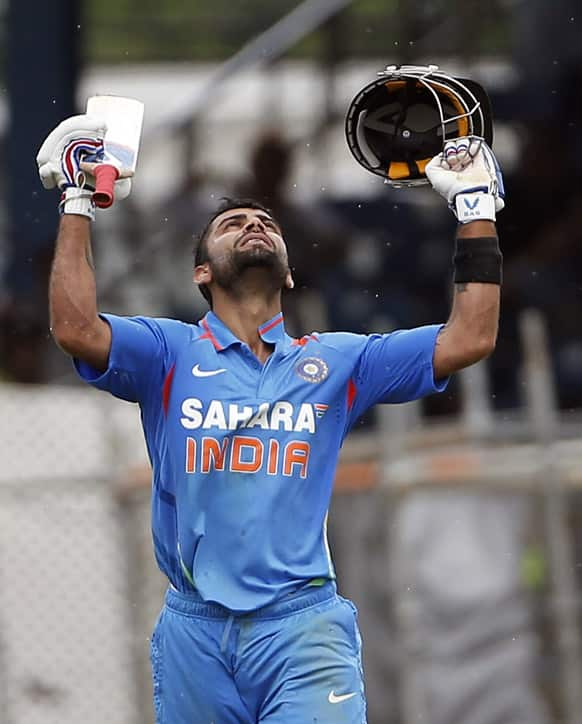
(397, 123)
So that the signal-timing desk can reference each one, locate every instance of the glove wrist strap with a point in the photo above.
(77, 201)
(476, 206)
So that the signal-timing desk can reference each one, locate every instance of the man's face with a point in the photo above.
(244, 239)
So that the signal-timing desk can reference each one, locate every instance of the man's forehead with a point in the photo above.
(242, 211)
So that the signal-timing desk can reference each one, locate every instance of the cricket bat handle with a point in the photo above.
(105, 177)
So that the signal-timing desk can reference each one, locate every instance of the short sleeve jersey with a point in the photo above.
(243, 453)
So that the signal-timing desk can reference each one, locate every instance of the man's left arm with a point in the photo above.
(471, 330)
(467, 175)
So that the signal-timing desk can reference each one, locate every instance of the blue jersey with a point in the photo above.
(243, 453)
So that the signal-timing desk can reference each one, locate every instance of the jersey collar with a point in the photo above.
(272, 331)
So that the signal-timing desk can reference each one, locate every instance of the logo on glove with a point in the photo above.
(78, 150)
(471, 205)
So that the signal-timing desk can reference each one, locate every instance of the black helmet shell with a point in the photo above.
(397, 123)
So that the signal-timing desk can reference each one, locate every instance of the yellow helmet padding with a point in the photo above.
(398, 169)
(422, 164)
(463, 121)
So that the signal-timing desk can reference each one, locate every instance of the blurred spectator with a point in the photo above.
(542, 241)
(23, 342)
(144, 253)
(172, 231)
(316, 238)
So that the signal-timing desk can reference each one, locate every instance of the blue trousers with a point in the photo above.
(297, 661)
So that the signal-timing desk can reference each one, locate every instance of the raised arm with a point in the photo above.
(75, 323)
(468, 176)
(471, 330)
(62, 163)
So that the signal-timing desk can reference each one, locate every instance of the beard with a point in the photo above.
(230, 272)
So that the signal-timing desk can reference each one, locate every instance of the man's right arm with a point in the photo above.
(75, 323)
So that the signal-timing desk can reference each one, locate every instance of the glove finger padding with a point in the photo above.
(122, 188)
(59, 156)
(458, 154)
(466, 166)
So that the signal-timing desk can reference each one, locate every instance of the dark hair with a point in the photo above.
(200, 250)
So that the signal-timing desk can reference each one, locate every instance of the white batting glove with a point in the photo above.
(77, 139)
(65, 147)
(468, 176)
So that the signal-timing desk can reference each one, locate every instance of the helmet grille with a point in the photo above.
(395, 125)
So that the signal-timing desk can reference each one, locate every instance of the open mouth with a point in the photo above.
(256, 239)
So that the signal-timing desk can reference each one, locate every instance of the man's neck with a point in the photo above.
(244, 317)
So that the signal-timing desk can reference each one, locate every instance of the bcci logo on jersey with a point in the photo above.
(312, 369)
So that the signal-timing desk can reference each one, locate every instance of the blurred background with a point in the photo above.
(456, 521)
